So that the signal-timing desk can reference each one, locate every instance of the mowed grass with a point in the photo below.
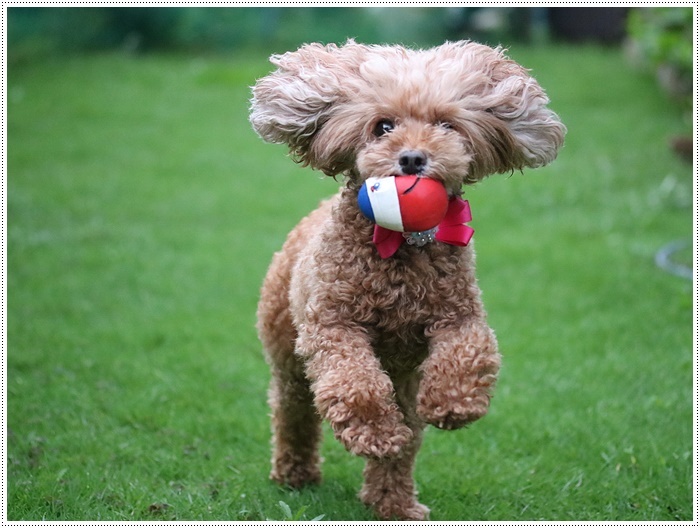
(142, 214)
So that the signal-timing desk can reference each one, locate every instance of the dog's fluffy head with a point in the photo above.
(461, 111)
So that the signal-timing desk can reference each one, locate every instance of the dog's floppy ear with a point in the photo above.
(291, 104)
(504, 111)
(522, 105)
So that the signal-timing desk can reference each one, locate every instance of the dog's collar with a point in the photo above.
(450, 231)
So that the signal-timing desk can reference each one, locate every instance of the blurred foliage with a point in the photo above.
(664, 37)
(40, 31)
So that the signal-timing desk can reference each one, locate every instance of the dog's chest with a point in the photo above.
(401, 295)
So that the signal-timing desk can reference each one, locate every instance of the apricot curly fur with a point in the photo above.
(382, 347)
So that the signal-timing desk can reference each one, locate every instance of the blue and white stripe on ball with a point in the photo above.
(384, 201)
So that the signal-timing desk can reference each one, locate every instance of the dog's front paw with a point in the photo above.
(374, 441)
(456, 404)
(454, 417)
(371, 437)
(391, 505)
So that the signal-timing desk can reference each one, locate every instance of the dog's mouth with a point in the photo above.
(452, 190)
(412, 164)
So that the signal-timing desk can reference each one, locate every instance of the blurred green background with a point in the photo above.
(275, 28)
(33, 30)
(142, 213)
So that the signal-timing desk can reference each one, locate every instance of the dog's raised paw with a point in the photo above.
(374, 440)
(369, 428)
(455, 421)
(452, 415)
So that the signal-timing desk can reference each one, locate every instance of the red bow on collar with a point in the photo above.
(450, 231)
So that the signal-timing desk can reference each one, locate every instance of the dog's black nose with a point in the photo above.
(412, 161)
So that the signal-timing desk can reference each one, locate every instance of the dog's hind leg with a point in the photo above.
(296, 426)
(296, 429)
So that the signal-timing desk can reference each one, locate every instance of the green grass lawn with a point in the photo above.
(142, 214)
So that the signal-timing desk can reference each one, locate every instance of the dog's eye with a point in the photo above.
(446, 125)
(383, 127)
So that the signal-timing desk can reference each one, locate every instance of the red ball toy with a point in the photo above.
(403, 203)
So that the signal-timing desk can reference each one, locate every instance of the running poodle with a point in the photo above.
(381, 332)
